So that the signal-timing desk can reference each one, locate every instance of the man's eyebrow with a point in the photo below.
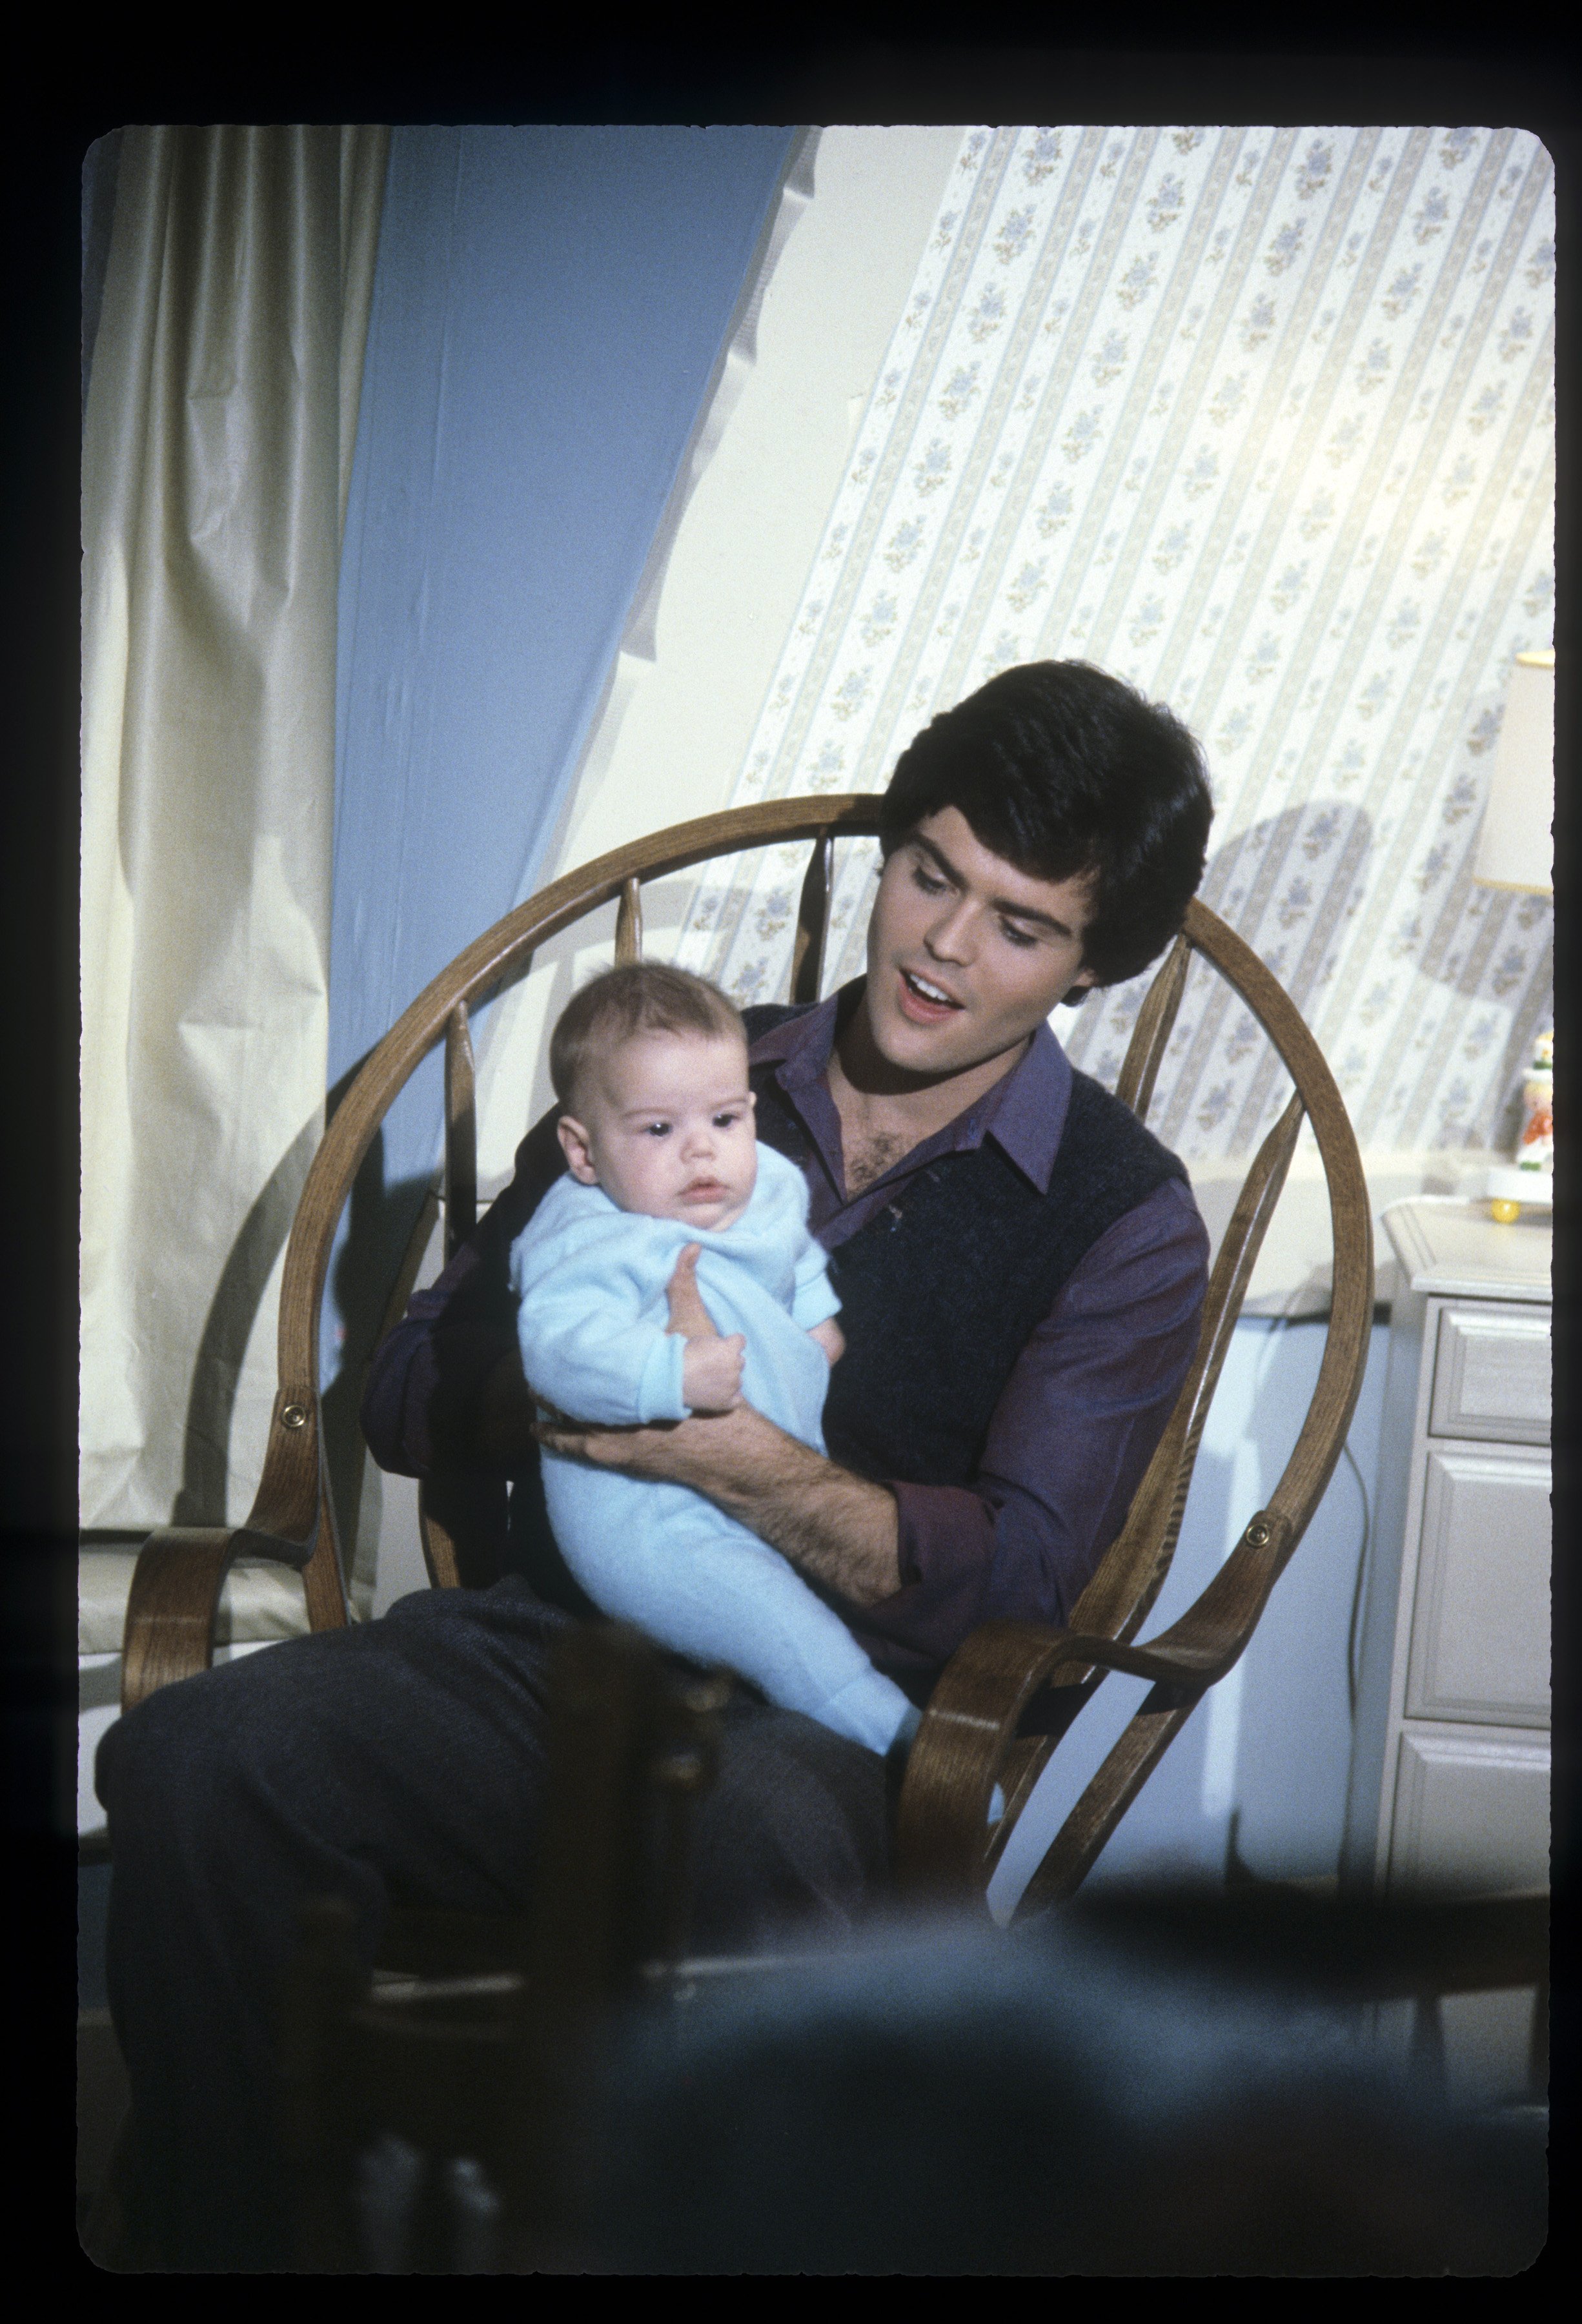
(1005, 904)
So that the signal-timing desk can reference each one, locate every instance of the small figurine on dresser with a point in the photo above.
(1532, 1180)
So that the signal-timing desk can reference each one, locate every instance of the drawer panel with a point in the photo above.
(1491, 1374)
(1471, 1814)
(1480, 1625)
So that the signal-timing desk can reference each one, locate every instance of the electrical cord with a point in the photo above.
(1353, 1643)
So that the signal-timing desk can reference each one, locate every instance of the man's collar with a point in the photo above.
(1025, 1113)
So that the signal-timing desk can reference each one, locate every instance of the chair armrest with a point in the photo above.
(174, 1601)
(968, 1740)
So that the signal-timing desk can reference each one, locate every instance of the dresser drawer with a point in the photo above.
(1492, 1375)
(1480, 1621)
(1471, 1814)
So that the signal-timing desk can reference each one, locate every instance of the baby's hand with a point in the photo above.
(831, 1338)
(711, 1373)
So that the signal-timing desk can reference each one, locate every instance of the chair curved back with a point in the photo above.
(292, 1518)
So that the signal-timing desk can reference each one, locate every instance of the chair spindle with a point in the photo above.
(461, 1132)
(1151, 1035)
(813, 919)
(629, 925)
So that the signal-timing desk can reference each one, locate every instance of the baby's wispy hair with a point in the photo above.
(643, 997)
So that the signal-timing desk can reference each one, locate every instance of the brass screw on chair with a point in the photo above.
(295, 1416)
(1257, 1533)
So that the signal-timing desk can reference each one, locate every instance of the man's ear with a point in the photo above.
(1079, 991)
(578, 1149)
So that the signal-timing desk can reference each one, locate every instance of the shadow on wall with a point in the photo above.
(1291, 883)
(372, 1240)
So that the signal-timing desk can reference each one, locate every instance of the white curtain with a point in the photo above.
(218, 445)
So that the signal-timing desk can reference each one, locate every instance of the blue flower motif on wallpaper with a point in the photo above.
(1401, 291)
(1041, 156)
(1056, 511)
(1515, 335)
(1109, 357)
(1313, 175)
(1458, 145)
(933, 468)
(1460, 481)
(1137, 281)
(1172, 546)
(1320, 834)
(1258, 322)
(1289, 588)
(1202, 475)
(1228, 400)
(1540, 267)
(1166, 204)
(853, 692)
(988, 314)
(1431, 220)
(904, 544)
(1486, 730)
(1374, 367)
(880, 620)
(1263, 659)
(1082, 435)
(1015, 233)
(1286, 247)
(1028, 588)
(959, 391)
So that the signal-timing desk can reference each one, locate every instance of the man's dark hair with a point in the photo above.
(643, 997)
(1065, 771)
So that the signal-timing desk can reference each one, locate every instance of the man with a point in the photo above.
(1021, 1269)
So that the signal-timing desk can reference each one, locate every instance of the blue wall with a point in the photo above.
(550, 308)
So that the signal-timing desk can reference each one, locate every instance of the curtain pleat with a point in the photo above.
(218, 443)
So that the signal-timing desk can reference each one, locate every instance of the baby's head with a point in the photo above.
(650, 1067)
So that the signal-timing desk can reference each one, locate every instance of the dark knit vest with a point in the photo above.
(941, 1291)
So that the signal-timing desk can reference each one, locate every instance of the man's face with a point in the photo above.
(664, 1122)
(966, 954)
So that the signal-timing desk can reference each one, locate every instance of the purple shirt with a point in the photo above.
(1085, 1403)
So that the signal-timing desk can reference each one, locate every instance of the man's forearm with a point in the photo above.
(841, 1530)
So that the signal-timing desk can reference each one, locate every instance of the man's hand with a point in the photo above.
(831, 1338)
(711, 1372)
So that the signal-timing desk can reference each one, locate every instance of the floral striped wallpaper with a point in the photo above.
(1263, 421)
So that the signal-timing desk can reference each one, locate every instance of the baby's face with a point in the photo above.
(664, 1123)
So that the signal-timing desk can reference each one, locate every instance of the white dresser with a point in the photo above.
(1450, 1759)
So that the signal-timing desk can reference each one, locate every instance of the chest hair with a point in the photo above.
(870, 1155)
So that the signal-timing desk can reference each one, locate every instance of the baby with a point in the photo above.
(650, 1067)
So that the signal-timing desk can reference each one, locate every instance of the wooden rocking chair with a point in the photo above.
(969, 1740)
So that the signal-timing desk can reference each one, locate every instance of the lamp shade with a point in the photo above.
(1515, 847)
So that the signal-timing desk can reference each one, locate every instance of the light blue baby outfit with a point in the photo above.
(592, 1280)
